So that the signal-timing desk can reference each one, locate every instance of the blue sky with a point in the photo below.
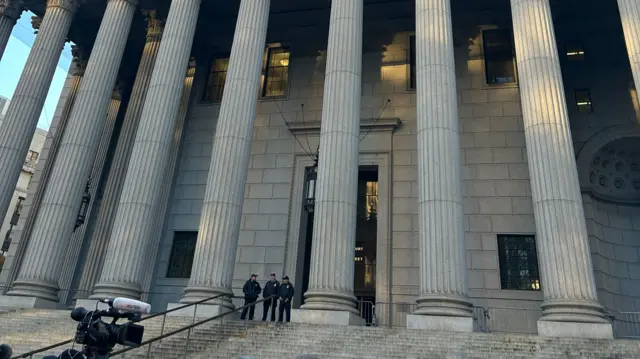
(14, 59)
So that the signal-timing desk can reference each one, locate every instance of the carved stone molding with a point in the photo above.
(11, 9)
(155, 24)
(70, 5)
(366, 125)
(117, 91)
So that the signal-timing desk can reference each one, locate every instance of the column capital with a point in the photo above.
(117, 91)
(79, 61)
(69, 5)
(191, 70)
(11, 9)
(155, 24)
(36, 21)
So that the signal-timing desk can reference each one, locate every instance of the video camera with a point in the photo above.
(98, 337)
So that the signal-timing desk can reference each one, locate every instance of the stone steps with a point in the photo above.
(28, 330)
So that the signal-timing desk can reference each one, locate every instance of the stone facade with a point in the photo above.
(496, 179)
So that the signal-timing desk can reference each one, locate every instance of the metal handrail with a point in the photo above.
(28, 354)
(191, 326)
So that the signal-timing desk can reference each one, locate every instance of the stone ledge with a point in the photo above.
(331, 317)
(440, 323)
(369, 124)
(575, 330)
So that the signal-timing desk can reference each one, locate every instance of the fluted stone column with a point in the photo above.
(123, 269)
(59, 208)
(214, 260)
(163, 205)
(78, 66)
(78, 236)
(10, 11)
(570, 306)
(330, 293)
(26, 104)
(443, 302)
(120, 163)
(630, 16)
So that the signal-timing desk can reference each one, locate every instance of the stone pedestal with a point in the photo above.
(44, 258)
(567, 280)
(334, 228)
(10, 11)
(330, 317)
(214, 259)
(22, 116)
(123, 270)
(630, 16)
(443, 281)
(120, 163)
(575, 329)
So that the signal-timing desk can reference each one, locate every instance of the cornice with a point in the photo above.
(36, 21)
(366, 125)
(11, 9)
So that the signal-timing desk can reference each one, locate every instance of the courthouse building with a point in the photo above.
(472, 155)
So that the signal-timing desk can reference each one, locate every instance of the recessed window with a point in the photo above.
(412, 63)
(499, 59)
(182, 252)
(575, 51)
(518, 262)
(215, 81)
(583, 101)
(276, 72)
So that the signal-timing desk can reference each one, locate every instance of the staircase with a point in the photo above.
(32, 329)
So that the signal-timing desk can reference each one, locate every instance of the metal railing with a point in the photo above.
(626, 325)
(188, 329)
(53, 346)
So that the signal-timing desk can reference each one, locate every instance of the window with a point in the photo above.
(182, 252)
(412, 63)
(499, 61)
(15, 217)
(583, 101)
(575, 51)
(518, 262)
(276, 72)
(215, 82)
(32, 156)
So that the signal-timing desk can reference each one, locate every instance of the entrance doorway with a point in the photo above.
(366, 240)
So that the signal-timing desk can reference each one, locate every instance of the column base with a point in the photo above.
(200, 311)
(115, 290)
(90, 304)
(20, 302)
(548, 328)
(440, 323)
(329, 317)
(36, 289)
(326, 300)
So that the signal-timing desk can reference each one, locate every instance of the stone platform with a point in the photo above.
(25, 330)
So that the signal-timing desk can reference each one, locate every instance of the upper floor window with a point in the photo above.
(32, 156)
(583, 101)
(412, 62)
(275, 76)
(215, 80)
(499, 59)
(274, 79)
(182, 252)
(575, 51)
(518, 262)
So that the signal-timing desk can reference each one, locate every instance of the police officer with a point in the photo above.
(251, 292)
(270, 288)
(285, 294)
